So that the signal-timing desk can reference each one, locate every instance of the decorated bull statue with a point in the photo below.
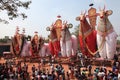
(106, 36)
(39, 47)
(87, 36)
(54, 43)
(26, 45)
(68, 42)
(20, 47)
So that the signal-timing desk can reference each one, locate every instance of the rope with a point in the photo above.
(100, 47)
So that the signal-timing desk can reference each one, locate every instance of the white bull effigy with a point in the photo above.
(68, 42)
(106, 36)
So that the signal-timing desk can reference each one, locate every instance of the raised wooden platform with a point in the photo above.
(101, 62)
(62, 60)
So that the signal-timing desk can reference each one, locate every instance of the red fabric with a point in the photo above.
(51, 47)
(90, 40)
(82, 46)
(17, 48)
(54, 47)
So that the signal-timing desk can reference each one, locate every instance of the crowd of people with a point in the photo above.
(23, 71)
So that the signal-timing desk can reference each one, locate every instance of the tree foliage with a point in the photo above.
(5, 39)
(118, 42)
(12, 8)
(76, 31)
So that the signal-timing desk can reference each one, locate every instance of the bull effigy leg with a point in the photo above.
(102, 52)
(111, 45)
(68, 48)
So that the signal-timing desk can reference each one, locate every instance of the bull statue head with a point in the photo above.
(66, 25)
(81, 17)
(85, 27)
(104, 25)
(104, 13)
(65, 33)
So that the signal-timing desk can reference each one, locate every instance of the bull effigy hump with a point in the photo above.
(104, 26)
(92, 16)
(58, 26)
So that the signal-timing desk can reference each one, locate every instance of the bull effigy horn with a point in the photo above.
(81, 12)
(65, 23)
(104, 8)
(85, 12)
(17, 30)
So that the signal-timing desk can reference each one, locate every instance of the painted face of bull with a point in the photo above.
(103, 13)
(65, 25)
(82, 17)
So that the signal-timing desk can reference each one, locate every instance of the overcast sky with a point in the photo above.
(43, 13)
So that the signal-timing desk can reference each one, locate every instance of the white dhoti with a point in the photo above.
(66, 48)
(109, 46)
(74, 44)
